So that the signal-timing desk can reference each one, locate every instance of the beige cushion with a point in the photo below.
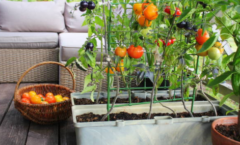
(70, 43)
(28, 40)
(31, 17)
(74, 20)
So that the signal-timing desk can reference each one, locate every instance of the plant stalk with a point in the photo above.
(105, 28)
(100, 83)
(115, 99)
(183, 97)
(152, 96)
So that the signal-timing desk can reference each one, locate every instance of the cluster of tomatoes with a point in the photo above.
(177, 12)
(84, 5)
(214, 52)
(170, 41)
(145, 13)
(33, 98)
(133, 52)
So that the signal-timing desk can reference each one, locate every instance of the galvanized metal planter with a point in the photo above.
(160, 130)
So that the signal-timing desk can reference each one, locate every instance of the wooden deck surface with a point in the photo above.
(16, 130)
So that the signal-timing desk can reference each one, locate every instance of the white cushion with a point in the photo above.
(28, 40)
(70, 43)
(31, 17)
(74, 20)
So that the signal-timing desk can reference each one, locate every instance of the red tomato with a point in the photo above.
(173, 40)
(49, 94)
(26, 95)
(25, 100)
(50, 99)
(167, 9)
(178, 12)
(202, 38)
(135, 52)
(169, 42)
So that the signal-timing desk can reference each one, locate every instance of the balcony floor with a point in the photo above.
(16, 130)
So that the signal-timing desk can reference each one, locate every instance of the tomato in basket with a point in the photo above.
(50, 99)
(25, 100)
(26, 95)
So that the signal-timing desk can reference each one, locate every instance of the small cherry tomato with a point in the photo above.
(135, 52)
(111, 71)
(178, 12)
(202, 38)
(25, 100)
(173, 40)
(50, 99)
(167, 9)
(26, 95)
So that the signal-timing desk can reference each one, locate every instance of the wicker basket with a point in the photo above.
(44, 113)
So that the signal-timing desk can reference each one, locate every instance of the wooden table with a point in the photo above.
(16, 130)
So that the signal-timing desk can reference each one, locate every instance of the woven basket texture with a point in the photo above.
(44, 113)
(15, 61)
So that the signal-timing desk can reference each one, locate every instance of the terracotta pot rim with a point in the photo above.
(232, 117)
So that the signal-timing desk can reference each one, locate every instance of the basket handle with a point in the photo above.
(43, 63)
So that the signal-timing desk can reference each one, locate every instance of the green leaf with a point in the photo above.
(89, 89)
(92, 60)
(70, 61)
(215, 90)
(87, 80)
(220, 78)
(99, 21)
(208, 44)
(204, 72)
(186, 13)
(237, 8)
(225, 98)
(89, 31)
(84, 22)
(229, 111)
(92, 96)
(81, 52)
(80, 65)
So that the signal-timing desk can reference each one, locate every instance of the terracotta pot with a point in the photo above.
(219, 139)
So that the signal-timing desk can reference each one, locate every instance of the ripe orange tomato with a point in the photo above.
(198, 47)
(120, 67)
(35, 100)
(26, 95)
(202, 38)
(137, 8)
(50, 99)
(25, 100)
(143, 21)
(121, 51)
(144, 5)
(49, 94)
(32, 93)
(111, 71)
(135, 52)
(151, 12)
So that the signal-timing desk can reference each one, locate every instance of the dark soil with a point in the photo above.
(85, 101)
(230, 131)
(90, 117)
